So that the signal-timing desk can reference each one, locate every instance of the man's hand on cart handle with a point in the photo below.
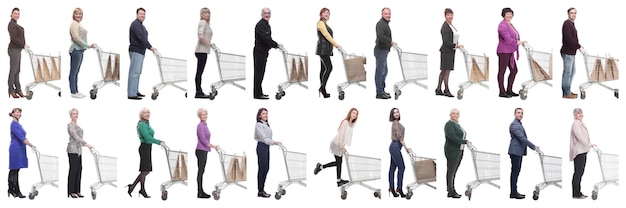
(277, 143)
(153, 49)
(536, 147)
(394, 43)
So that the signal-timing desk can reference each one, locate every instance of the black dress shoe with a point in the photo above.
(203, 195)
(504, 95)
(318, 168)
(516, 196)
(140, 95)
(263, 194)
(454, 195)
(263, 97)
(383, 96)
(201, 95)
(512, 94)
(134, 98)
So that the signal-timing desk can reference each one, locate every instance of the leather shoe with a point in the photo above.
(454, 195)
(512, 94)
(341, 182)
(263, 194)
(318, 168)
(203, 196)
(201, 95)
(504, 95)
(134, 98)
(262, 97)
(570, 96)
(140, 95)
(383, 96)
(516, 196)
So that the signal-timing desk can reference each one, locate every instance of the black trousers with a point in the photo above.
(201, 155)
(326, 66)
(337, 162)
(263, 155)
(260, 61)
(200, 70)
(453, 166)
(579, 169)
(75, 173)
(516, 166)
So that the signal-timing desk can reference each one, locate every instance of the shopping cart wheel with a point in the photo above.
(212, 95)
(185, 94)
(583, 95)
(342, 95)
(523, 94)
(283, 191)
(93, 195)
(93, 94)
(468, 193)
(616, 93)
(216, 195)
(164, 195)
(377, 194)
(277, 195)
(29, 95)
(397, 94)
(154, 95)
(31, 196)
(594, 195)
(535, 195)
(409, 195)
(59, 93)
(344, 195)
(278, 96)
(459, 94)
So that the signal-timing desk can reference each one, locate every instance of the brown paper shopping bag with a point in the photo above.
(426, 171)
(233, 168)
(116, 69)
(539, 74)
(242, 174)
(486, 69)
(56, 71)
(183, 168)
(597, 75)
(475, 74)
(45, 71)
(38, 75)
(108, 72)
(176, 174)
(304, 69)
(355, 69)
(611, 70)
(293, 73)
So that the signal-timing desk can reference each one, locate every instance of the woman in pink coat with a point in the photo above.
(508, 43)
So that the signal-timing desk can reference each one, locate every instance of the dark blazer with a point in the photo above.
(263, 36)
(454, 140)
(448, 39)
(519, 141)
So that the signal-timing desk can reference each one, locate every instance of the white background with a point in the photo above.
(301, 120)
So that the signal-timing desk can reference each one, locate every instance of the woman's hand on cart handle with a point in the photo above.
(339, 48)
(458, 46)
(26, 46)
(468, 142)
(278, 143)
(408, 150)
(522, 42)
(89, 146)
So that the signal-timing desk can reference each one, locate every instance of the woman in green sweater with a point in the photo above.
(146, 137)
(455, 138)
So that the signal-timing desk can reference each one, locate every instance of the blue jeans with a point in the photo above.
(569, 69)
(76, 59)
(396, 162)
(381, 70)
(136, 66)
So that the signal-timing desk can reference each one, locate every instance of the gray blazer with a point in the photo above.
(519, 141)
(447, 36)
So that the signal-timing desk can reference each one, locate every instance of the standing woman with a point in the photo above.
(450, 37)
(338, 144)
(453, 148)
(17, 43)
(202, 148)
(17, 153)
(397, 162)
(325, 44)
(146, 137)
(74, 153)
(508, 43)
(263, 136)
(579, 146)
(203, 48)
(78, 35)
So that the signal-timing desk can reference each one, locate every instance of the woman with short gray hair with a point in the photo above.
(579, 146)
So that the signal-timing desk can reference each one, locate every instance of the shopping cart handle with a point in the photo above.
(94, 151)
(164, 146)
(583, 51)
(539, 152)
(156, 53)
(528, 47)
(342, 51)
(595, 148)
(472, 147)
(397, 48)
(215, 48)
(463, 50)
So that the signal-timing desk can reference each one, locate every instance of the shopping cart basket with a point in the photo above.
(295, 163)
(233, 170)
(107, 171)
(551, 168)
(45, 68)
(477, 71)
(355, 72)
(232, 68)
(48, 173)
(297, 67)
(597, 74)
(109, 63)
(486, 167)
(172, 71)
(538, 63)
(361, 169)
(177, 165)
(609, 165)
(414, 69)
(425, 170)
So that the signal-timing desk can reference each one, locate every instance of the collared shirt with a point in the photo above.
(263, 133)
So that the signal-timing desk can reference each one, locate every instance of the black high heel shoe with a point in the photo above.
(144, 194)
(393, 192)
(79, 195)
(322, 91)
(401, 193)
(130, 190)
(73, 195)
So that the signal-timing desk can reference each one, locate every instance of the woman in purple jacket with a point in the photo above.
(202, 148)
(508, 42)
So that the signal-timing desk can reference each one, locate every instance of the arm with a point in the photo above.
(505, 33)
(264, 34)
(322, 28)
(73, 132)
(20, 134)
(517, 133)
(143, 131)
(450, 132)
(201, 28)
(203, 136)
(262, 132)
(380, 33)
(13, 33)
(580, 135)
(447, 36)
(75, 34)
(142, 36)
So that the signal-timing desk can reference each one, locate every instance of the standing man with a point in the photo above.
(263, 42)
(517, 149)
(137, 49)
(381, 50)
(568, 53)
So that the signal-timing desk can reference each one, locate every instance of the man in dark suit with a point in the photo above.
(517, 149)
(263, 42)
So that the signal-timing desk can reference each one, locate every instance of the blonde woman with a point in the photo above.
(146, 137)
(338, 144)
(203, 48)
(78, 36)
(202, 148)
(74, 154)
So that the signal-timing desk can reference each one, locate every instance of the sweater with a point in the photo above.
(138, 38)
(146, 133)
(263, 36)
(204, 31)
(204, 137)
(383, 35)
(78, 36)
(569, 38)
(263, 133)
(76, 142)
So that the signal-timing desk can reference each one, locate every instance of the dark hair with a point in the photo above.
(382, 10)
(505, 10)
(518, 109)
(391, 118)
(140, 9)
(14, 110)
(570, 9)
(258, 115)
(447, 11)
(15, 9)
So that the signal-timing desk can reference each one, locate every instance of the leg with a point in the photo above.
(76, 58)
(202, 156)
(579, 168)
(568, 73)
(202, 57)
(380, 66)
(456, 168)
(451, 165)
(513, 67)
(392, 171)
(327, 68)
(440, 81)
(262, 151)
(446, 77)
(71, 178)
(503, 62)
(143, 181)
(15, 57)
(136, 65)
(79, 173)
(385, 72)
(260, 60)
(516, 165)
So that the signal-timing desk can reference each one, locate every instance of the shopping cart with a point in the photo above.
(232, 68)
(425, 172)
(232, 172)
(109, 63)
(45, 68)
(609, 165)
(297, 67)
(414, 69)
(106, 167)
(48, 173)
(177, 165)
(551, 168)
(361, 169)
(355, 72)
(172, 71)
(486, 167)
(477, 71)
(595, 74)
(538, 62)
(295, 163)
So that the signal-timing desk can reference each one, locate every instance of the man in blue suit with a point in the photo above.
(517, 149)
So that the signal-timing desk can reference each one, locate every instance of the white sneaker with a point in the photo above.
(78, 95)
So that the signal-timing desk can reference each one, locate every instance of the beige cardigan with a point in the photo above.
(579, 139)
